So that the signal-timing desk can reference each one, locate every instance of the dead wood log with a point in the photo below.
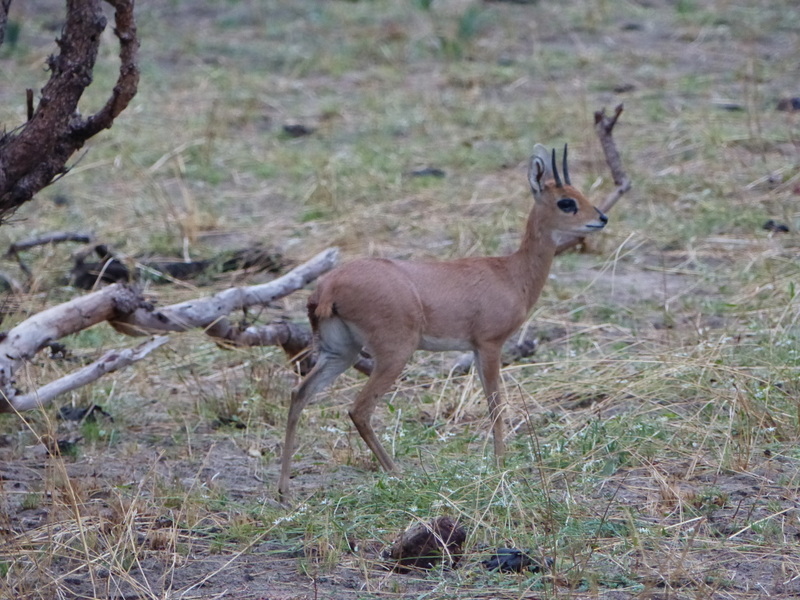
(36, 153)
(210, 313)
(125, 309)
(112, 360)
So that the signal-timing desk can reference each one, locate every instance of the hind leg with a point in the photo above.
(338, 351)
(389, 363)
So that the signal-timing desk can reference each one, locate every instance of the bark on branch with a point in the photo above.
(36, 153)
(126, 310)
(4, 6)
(211, 313)
(109, 362)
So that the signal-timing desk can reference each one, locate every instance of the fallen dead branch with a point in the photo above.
(55, 237)
(210, 313)
(125, 309)
(110, 361)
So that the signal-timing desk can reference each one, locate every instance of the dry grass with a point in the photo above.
(655, 432)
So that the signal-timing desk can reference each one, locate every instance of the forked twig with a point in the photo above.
(604, 128)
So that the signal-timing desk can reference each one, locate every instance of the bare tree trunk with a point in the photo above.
(56, 124)
(4, 6)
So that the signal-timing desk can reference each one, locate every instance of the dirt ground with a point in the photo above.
(267, 569)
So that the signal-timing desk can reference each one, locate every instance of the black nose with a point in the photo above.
(603, 218)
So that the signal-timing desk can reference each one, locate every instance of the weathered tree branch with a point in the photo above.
(209, 313)
(604, 127)
(127, 312)
(55, 237)
(36, 153)
(109, 362)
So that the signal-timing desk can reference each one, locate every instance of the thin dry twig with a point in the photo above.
(55, 237)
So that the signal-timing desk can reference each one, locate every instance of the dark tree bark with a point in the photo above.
(36, 153)
(4, 6)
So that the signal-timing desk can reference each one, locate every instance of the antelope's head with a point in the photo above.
(564, 208)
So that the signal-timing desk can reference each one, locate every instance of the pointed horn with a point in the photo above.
(564, 167)
(555, 169)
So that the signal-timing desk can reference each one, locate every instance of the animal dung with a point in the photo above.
(424, 545)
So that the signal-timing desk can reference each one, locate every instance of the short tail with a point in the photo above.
(320, 306)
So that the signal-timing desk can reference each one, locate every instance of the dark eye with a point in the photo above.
(568, 205)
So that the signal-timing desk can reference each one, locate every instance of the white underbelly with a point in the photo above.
(436, 344)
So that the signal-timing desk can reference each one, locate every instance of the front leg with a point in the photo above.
(487, 362)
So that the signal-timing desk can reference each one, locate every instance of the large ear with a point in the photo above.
(539, 170)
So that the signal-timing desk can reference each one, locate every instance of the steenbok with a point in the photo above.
(390, 308)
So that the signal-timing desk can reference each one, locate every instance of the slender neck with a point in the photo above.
(531, 262)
